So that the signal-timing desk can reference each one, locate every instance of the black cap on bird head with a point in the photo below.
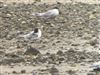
(36, 30)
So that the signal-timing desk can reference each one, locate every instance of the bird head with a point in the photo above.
(36, 30)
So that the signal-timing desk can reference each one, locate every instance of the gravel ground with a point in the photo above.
(68, 46)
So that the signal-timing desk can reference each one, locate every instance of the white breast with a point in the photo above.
(39, 33)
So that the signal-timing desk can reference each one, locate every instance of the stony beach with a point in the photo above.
(70, 43)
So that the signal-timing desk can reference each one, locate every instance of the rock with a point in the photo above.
(48, 54)
(32, 51)
(33, 73)
(41, 59)
(8, 15)
(91, 73)
(60, 53)
(23, 22)
(71, 72)
(12, 58)
(14, 72)
(23, 71)
(93, 42)
(2, 52)
(9, 37)
(75, 44)
(60, 59)
(53, 58)
(54, 71)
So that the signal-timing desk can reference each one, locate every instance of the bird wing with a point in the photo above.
(34, 36)
(38, 14)
(48, 14)
(28, 35)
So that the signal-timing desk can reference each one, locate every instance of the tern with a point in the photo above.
(35, 34)
(96, 65)
(48, 14)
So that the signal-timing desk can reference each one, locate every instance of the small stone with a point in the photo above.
(75, 44)
(14, 72)
(23, 71)
(8, 15)
(61, 59)
(47, 54)
(93, 42)
(53, 44)
(23, 22)
(54, 71)
(58, 41)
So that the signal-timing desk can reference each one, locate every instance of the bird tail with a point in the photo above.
(35, 14)
(21, 36)
(38, 14)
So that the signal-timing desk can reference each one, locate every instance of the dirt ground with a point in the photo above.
(70, 43)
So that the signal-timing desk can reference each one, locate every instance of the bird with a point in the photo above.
(96, 65)
(48, 14)
(35, 34)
